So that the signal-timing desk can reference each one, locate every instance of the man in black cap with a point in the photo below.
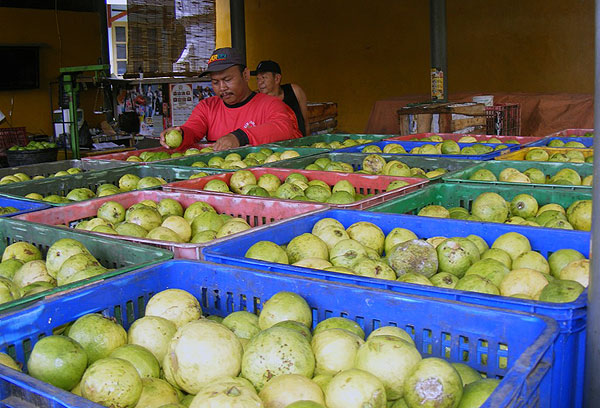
(268, 79)
(236, 116)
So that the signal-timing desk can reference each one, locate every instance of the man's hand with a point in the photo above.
(229, 141)
(164, 132)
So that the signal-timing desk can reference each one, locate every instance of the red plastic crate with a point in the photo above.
(569, 132)
(523, 140)
(256, 212)
(363, 183)
(122, 156)
(12, 136)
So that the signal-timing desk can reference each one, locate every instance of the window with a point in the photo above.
(119, 48)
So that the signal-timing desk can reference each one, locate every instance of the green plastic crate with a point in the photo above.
(328, 138)
(242, 151)
(356, 159)
(549, 168)
(92, 179)
(51, 168)
(120, 255)
(462, 195)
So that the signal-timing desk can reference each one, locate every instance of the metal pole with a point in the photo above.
(592, 351)
(238, 25)
(439, 64)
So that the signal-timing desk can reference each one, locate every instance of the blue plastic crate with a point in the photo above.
(567, 377)
(440, 328)
(21, 205)
(588, 142)
(411, 145)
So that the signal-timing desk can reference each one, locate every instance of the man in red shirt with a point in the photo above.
(236, 116)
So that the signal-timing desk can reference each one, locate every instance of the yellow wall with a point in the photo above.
(356, 52)
(80, 35)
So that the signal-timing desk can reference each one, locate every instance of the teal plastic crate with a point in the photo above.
(92, 179)
(356, 160)
(51, 168)
(587, 142)
(120, 256)
(569, 347)
(496, 166)
(242, 151)
(446, 329)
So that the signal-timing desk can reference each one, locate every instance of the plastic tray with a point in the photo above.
(445, 329)
(588, 142)
(356, 159)
(128, 257)
(363, 183)
(242, 151)
(91, 180)
(410, 145)
(567, 377)
(463, 195)
(520, 154)
(23, 207)
(496, 166)
(326, 138)
(49, 169)
(255, 212)
(523, 140)
(572, 132)
(122, 156)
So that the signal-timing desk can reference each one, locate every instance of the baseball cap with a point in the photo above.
(266, 66)
(223, 58)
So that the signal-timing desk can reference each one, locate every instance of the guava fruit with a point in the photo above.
(477, 283)
(532, 260)
(344, 185)
(131, 230)
(355, 388)
(373, 269)
(483, 175)
(74, 264)
(413, 256)
(203, 236)
(232, 226)
(512, 243)
(373, 163)
(535, 175)
(60, 251)
(217, 353)
(390, 359)
(80, 194)
(112, 212)
(163, 234)
(561, 291)
(207, 220)
(346, 253)
(297, 326)
(98, 335)
(392, 331)
(536, 155)
(267, 251)
(340, 198)
(476, 393)
(313, 263)
(579, 215)
(284, 306)
(148, 182)
(433, 383)
(22, 251)
(216, 185)
(306, 246)
(467, 374)
(368, 234)
(397, 236)
(241, 178)
(168, 206)
(153, 333)
(146, 217)
(433, 210)
(58, 360)
(176, 305)
(86, 273)
(112, 382)
(197, 209)
(559, 259)
(340, 323)
(173, 138)
(456, 255)
(414, 278)
(226, 392)
(180, 226)
(489, 268)
(523, 281)
(490, 207)
(444, 280)
(157, 393)
(8, 361)
(128, 182)
(305, 404)
(242, 323)
(276, 351)
(524, 205)
(578, 271)
(31, 272)
(326, 222)
(331, 235)
(285, 389)
(142, 359)
(36, 287)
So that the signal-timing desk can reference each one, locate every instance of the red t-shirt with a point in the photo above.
(263, 118)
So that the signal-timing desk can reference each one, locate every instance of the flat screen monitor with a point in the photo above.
(19, 67)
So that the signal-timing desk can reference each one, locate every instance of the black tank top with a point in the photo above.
(289, 97)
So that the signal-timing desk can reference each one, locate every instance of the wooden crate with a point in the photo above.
(467, 117)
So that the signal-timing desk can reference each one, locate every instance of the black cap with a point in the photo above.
(223, 58)
(267, 66)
